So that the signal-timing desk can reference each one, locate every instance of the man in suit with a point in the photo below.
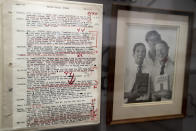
(137, 77)
(162, 73)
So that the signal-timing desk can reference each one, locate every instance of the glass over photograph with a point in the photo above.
(150, 58)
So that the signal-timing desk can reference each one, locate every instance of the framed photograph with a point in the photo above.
(149, 64)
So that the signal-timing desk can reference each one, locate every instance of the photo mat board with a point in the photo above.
(149, 64)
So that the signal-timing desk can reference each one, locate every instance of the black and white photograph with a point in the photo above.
(149, 64)
(149, 68)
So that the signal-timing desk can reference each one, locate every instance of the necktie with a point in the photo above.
(139, 69)
(162, 69)
(161, 73)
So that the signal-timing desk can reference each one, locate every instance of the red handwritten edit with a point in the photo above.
(79, 55)
(93, 110)
(72, 79)
(96, 84)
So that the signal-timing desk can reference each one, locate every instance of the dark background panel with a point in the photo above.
(183, 124)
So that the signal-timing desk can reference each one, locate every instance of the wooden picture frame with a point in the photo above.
(172, 32)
